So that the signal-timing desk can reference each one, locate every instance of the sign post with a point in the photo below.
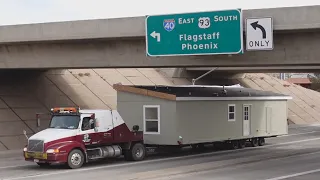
(259, 33)
(204, 33)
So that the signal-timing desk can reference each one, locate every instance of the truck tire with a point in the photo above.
(198, 147)
(75, 159)
(254, 142)
(261, 142)
(242, 144)
(194, 147)
(234, 144)
(136, 153)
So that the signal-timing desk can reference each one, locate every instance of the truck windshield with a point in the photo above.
(65, 122)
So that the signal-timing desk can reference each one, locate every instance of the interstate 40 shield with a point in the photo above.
(204, 33)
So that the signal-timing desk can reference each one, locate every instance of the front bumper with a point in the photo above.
(46, 157)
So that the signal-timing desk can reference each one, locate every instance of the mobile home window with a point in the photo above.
(231, 112)
(246, 113)
(151, 119)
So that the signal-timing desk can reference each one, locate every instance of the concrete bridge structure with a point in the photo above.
(120, 43)
(76, 63)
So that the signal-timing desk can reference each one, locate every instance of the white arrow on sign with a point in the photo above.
(154, 34)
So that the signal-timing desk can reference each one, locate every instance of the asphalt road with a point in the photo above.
(293, 157)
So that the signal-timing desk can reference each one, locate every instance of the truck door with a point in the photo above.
(87, 133)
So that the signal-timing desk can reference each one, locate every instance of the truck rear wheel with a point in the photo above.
(75, 159)
(136, 153)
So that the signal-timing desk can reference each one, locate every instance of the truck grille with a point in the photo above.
(35, 145)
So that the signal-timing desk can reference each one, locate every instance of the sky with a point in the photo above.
(38, 11)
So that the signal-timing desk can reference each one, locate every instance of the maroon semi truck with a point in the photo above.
(76, 136)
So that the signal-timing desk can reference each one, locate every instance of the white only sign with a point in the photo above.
(259, 34)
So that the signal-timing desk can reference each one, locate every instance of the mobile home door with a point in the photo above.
(246, 119)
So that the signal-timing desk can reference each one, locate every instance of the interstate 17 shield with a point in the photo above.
(169, 24)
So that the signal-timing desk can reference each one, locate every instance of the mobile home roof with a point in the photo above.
(189, 93)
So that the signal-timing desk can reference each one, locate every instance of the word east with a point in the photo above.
(186, 20)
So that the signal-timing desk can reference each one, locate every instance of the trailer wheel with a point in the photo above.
(235, 144)
(198, 147)
(261, 141)
(254, 142)
(75, 159)
(242, 144)
(136, 153)
(201, 146)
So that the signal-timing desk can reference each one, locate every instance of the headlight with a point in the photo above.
(53, 151)
(25, 149)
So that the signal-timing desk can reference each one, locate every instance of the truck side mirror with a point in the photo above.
(25, 134)
(135, 128)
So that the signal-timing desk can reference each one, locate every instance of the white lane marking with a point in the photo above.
(156, 160)
(7, 167)
(295, 175)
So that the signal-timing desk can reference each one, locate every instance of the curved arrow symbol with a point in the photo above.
(154, 34)
(255, 25)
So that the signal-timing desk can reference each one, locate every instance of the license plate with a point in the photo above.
(36, 155)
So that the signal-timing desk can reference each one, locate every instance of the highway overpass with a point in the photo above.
(119, 43)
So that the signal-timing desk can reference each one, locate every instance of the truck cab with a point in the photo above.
(76, 136)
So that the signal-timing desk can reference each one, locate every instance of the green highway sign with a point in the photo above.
(203, 33)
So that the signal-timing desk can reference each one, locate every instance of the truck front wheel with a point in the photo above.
(75, 159)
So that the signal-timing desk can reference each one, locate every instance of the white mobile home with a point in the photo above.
(178, 115)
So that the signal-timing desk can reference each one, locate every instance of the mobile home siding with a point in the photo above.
(201, 121)
(130, 107)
